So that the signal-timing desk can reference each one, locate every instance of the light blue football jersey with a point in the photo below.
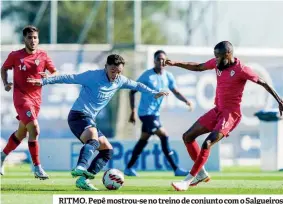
(158, 82)
(96, 89)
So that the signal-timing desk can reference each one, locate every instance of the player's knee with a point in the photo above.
(33, 129)
(206, 144)
(187, 137)
(145, 137)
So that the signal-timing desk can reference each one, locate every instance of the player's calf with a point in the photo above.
(100, 161)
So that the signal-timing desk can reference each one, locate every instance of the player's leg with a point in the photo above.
(140, 145)
(84, 128)
(204, 124)
(161, 133)
(98, 163)
(147, 130)
(226, 122)
(14, 140)
(33, 144)
(104, 155)
(90, 140)
(213, 138)
(28, 115)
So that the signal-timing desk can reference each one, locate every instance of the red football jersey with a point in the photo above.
(26, 65)
(230, 84)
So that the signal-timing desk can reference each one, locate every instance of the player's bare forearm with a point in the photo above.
(192, 66)
(180, 96)
(4, 76)
(270, 90)
(132, 100)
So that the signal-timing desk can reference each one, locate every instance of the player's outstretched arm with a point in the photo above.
(61, 79)
(181, 97)
(192, 66)
(137, 86)
(273, 93)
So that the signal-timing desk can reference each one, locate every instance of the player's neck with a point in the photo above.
(30, 51)
(158, 71)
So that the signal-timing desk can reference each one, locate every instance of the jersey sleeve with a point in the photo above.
(210, 64)
(49, 65)
(142, 79)
(81, 79)
(172, 82)
(9, 63)
(248, 74)
(137, 86)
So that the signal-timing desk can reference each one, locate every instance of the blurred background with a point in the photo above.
(79, 35)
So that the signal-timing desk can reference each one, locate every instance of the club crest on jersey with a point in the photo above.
(232, 73)
(37, 61)
(218, 72)
(28, 113)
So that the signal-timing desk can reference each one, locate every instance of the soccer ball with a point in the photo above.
(113, 179)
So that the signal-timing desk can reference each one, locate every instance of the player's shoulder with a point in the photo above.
(211, 60)
(239, 64)
(41, 52)
(122, 78)
(168, 74)
(16, 52)
(147, 72)
(95, 72)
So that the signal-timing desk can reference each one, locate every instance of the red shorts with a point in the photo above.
(27, 112)
(221, 121)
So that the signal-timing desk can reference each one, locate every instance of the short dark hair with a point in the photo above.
(115, 59)
(224, 47)
(29, 29)
(158, 52)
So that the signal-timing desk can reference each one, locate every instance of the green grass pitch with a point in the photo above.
(19, 186)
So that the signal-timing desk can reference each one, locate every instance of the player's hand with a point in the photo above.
(132, 118)
(281, 107)
(190, 105)
(170, 63)
(43, 74)
(35, 82)
(162, 93)
(8, 86)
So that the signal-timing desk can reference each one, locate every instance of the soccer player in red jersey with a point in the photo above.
(26, 62)
(232, 76)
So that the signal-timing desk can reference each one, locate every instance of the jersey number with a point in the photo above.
(24, 68)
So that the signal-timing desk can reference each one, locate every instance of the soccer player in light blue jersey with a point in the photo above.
(98, 87)
(157, 79)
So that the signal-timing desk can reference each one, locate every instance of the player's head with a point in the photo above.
(30, 34)
(114, 66)
(159, 59)
(223, 52)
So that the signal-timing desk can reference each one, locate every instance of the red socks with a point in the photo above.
(12, 144)
(200, 161)
(193, 149)
(34, 152)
